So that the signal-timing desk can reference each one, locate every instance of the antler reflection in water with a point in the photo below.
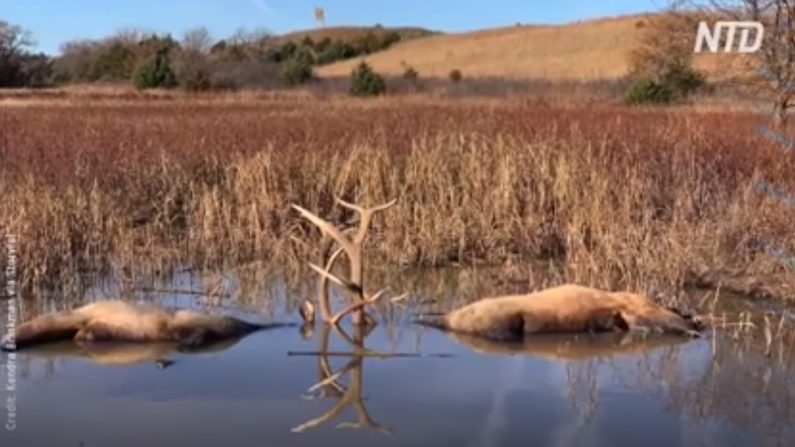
(330, 386)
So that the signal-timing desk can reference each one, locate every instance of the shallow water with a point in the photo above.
(584, 391)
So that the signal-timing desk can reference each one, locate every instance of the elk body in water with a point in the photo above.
(120, 321)
(567, 308)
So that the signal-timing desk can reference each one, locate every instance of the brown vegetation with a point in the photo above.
(350, 34)
(586, 50)
(618, 197)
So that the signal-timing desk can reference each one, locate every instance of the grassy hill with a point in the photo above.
(587, 50)
(352, 33)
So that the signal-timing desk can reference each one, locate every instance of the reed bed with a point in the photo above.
(613, 196)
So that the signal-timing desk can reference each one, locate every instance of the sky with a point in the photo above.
(53, 22)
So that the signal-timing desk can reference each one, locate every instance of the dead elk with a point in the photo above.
(128, 322)
(563, 309)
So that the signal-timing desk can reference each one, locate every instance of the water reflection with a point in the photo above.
(329, 385)
(121, 354)
(589, 390)
(561, 347)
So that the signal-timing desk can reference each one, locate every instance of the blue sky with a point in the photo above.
(54, 21)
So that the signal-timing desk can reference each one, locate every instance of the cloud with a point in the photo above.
(263, 6)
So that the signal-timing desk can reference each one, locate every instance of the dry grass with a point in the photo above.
(581, 51)
(616, 196)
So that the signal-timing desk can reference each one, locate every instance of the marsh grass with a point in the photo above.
(611, 196)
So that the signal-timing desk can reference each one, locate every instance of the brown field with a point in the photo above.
(613, 196)
(580, 51)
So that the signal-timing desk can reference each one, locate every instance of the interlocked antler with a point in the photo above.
(352, 246)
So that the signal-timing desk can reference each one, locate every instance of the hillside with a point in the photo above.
(596, 49)
(352, 33)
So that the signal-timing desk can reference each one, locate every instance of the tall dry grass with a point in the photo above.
(615, 197)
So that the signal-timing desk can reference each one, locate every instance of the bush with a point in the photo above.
(410, 73)
(337, 50)
(36, 71)
(390, 39)
(156, 72)
(674, 84)
(296, 71)
(684, 81)
(197, 81)
(649, 91)
(368, 43)
(366, 82)
(456, 76)
(113, 63)
(228, 75)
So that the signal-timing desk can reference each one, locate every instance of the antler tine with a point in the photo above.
(326, 228)
(366, 216)
(349, 205)
(336, 279)
(328, 380)
(331, 413)
(401, 297)
(367, 423)
(385, 206)
(357, 305)
(362, 210)
(323, 295)
(333, 258)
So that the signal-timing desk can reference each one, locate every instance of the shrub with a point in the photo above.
(36, 71)
(115, 62)
(662, 63)
(228, 75)
(286, 52)
(649, 91)
(197, 81)
(366, 82)
(456, 76)
(156, 72)
(410, 73)
(368, 43)
(675, 84)
(390, 39)
(296, 71)
(337, 50)
(683, 80)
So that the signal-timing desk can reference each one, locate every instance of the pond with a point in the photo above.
(271, 389)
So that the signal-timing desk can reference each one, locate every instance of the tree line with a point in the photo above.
(195, 62)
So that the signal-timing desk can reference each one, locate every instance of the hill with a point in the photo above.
(352, 34)
(587, 50)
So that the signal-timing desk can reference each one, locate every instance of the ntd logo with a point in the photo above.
(713, 37)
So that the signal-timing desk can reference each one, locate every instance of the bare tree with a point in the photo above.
(775, 62)
(666, 43)
(127, 36)
(198, 40)
(14, 42)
